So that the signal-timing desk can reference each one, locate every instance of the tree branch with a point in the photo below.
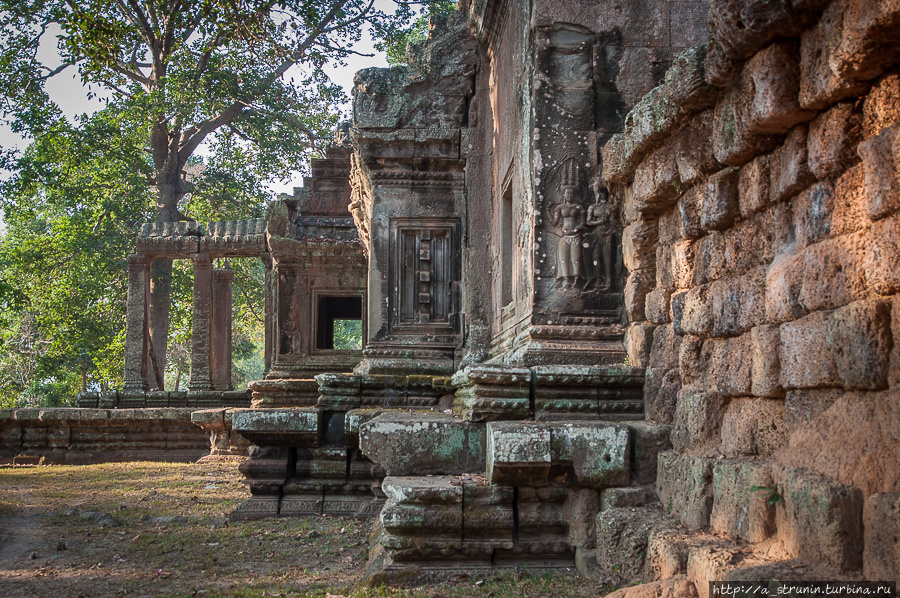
(191, 142)
(121, 68)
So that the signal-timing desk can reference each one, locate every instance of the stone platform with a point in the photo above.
(75, 436)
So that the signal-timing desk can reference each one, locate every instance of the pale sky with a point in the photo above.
(67, 91)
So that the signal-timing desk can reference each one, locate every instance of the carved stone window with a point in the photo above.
(424, 274)
(338, 315)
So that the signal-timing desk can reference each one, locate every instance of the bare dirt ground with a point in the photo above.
(160, 529)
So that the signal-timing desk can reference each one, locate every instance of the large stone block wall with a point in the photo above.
(762, 185)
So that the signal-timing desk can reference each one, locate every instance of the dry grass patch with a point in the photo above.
(160, 529)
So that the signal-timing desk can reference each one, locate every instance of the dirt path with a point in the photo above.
(152, 530)
(157, 529)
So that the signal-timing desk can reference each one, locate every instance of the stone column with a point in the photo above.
(137, 337)
(220, 330)
(200, 345)
(268, 308)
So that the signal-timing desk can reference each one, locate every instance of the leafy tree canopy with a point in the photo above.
(243, 78)
(394, 36)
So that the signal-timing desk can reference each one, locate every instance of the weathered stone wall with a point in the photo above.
(762, 185)
(80, 436)
(555, 81)
(409, 127)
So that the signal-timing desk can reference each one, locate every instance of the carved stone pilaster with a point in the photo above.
(220, 329)
(268, 307)
(200, 343)
(137, 337)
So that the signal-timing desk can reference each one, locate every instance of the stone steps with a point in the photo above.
(496, 495)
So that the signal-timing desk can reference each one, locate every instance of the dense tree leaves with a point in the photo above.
(71, 212)
(395, 35)
(242, 78)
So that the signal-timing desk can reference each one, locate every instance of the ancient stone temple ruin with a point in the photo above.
(627, 276)
(623, 265)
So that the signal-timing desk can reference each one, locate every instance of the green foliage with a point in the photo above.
(772, 496)
(348, 335)
(394, 36)
(242, 77)
(71, 212)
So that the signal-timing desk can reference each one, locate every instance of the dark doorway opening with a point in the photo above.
(339, 323)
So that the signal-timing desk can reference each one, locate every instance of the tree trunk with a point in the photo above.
(170, 189)
(160, 298)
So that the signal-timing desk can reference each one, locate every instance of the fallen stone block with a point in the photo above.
(711, 562)
(668, 550)
(407, 444)
(677, 587)
(518, 453)
(278, 427)
(597, 453)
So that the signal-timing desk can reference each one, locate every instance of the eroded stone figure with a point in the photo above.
(569, 216)
(599, 240)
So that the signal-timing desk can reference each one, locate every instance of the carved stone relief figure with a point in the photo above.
(290, 344)
(569, 218)
(599, 240)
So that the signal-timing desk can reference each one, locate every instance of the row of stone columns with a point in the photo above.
(211, 334)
